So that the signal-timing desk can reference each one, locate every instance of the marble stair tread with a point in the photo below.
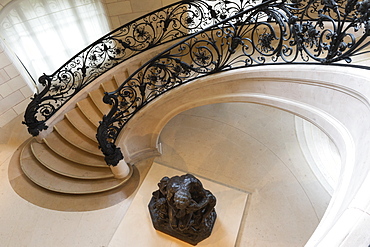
(109, 85)
(76, 138)
(50, 180)
(65, 167)
(62, 147)
(97, 97)
(91, 112)
(362, 59)
(121, 77)
(80, 122)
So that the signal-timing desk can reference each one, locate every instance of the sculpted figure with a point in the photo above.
(182, 208)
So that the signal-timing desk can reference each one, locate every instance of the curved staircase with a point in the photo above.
(69, 160)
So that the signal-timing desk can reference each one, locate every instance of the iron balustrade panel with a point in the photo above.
(329, 31)
(274, 32)
(161, 26)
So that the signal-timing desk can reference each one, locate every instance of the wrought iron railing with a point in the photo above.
(274, 32)
(161, 26)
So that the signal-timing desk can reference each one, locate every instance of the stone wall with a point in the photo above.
(120, 12)
(14, 91)
(3, 3)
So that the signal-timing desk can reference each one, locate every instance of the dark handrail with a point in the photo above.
(274, 32)
(158, 27)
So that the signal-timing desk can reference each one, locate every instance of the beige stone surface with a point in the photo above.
(355, 120)
(136, 228)
(4, 60)
(38, 226)
(89, 109)
(25, 224)
(126, 18)
(279, 201)
(16, 83)
(145, 5)
(21, 107)
(168, 2)
(76, 138)
(121, 12)
(4, 2)
(65, 167)
(119, 8)
(3, 76)
(253, 148)
(62, 147)
(26, 91)
(7, 116)
(13, 96)
(323, 95)
(11, 70)
(80, 122)
(48, 179)
(10, 101)
(5, 90)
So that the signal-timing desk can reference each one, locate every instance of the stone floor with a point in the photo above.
(229, 208)
(251, 148)
(52, 219)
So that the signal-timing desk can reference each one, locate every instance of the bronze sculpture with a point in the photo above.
(182, 208)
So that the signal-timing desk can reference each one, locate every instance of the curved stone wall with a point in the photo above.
(320, 152)
(335, 99)
(253, 148)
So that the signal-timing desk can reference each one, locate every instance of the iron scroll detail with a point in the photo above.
(169, 23)
(273, 32)
(34, 125)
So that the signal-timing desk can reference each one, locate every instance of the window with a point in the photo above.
(44, 34)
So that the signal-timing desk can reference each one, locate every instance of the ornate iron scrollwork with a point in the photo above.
(34, 109)
(166, 24)
(272, 32)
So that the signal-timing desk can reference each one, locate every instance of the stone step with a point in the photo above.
(97, 97)
(81, 123)
(69, 160)
(129, 70)
(91, 112)
(121, 77)
(110, 85)
(65, 167)
(76, 138)
(50, 180)
(62, 147)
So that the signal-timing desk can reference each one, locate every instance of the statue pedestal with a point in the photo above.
(136, 227)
